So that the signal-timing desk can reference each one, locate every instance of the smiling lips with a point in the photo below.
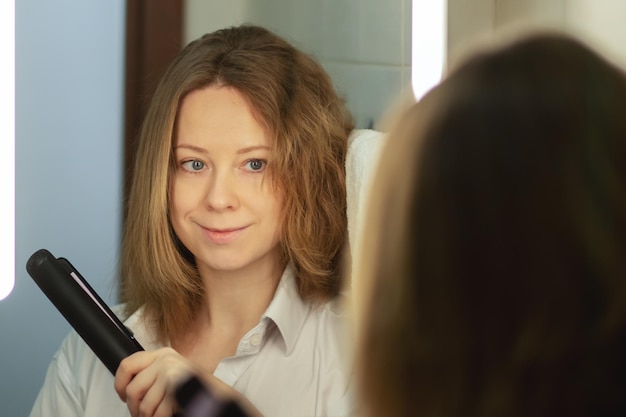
(222, 236)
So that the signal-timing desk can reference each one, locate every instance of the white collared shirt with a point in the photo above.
(295, 362)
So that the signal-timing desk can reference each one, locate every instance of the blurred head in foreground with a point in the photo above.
(494, 266)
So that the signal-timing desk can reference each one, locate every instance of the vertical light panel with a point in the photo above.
(428, 44)
(7, 147)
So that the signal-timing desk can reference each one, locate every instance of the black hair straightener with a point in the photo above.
(85, 311)
(106, 335)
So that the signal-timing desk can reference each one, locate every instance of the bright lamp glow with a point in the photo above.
(428, 44)
(7, 147)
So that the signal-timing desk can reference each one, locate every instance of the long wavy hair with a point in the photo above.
(295, 100)
(494, 264)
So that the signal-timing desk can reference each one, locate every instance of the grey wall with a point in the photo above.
(69, 128)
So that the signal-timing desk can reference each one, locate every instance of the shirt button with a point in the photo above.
(255, 340)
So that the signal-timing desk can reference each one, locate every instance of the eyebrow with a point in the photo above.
(240, 151)
(191, 147)
(253, 148)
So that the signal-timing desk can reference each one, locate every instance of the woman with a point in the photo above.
(494, 267)
(232, 245)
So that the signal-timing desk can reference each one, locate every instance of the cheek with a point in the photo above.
(181, 197)
(173, 209)
(271, 193)
(178, 205)
(173, 197)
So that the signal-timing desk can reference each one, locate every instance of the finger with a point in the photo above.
(153, 398)
(165, 409)
(128, 368)
(138, 388)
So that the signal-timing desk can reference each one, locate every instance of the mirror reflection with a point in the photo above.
(70, 83)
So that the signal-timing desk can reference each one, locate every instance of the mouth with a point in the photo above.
(223, 236)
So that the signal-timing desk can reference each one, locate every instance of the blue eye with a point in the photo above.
(256, 164)
(193, 165)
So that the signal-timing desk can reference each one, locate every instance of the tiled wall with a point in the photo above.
(363, 44)
(473, 23)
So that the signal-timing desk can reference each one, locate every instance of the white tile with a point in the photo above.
(274, 15)
(305, 21)
(296, 21)
(406, 76)
(406, 31)
(340, 22)
(381, 32)
(367, 31)
(370, 90)
(204, 16)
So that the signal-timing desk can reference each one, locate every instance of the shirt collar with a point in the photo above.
(287, 309)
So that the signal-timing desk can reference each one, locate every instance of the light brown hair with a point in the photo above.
(495, 260)
(295, 100)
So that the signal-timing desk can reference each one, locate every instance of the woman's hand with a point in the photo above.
(146, 381)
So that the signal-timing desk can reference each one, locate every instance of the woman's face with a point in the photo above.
(223, 206)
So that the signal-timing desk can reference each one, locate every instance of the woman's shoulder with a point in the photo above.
(77, 382)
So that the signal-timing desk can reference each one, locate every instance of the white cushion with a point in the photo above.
(364, 147)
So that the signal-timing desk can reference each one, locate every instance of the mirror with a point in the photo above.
(69, 119)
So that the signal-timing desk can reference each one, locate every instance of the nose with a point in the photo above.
(221, 192)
